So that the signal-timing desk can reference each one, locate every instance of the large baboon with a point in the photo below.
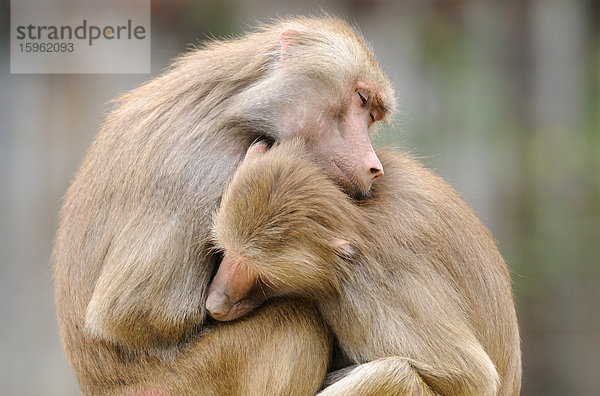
(133, 257)
(409, 280)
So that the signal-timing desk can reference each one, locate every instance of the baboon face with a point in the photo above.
(336, 128)
(340, 141)
(327, 89)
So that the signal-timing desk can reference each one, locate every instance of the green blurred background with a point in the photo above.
(502, 98)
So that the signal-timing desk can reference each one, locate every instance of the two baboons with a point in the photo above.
(134, 254)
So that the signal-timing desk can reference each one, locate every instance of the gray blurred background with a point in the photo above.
(500, 98)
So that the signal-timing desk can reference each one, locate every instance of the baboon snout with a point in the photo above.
(373, 167)
(233, 291)
(218, 304)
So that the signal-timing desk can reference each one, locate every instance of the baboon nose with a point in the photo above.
(217, 304)
(376, 173)
(374, 167)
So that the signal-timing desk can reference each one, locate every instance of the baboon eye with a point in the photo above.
(362, 98)
(372, 117)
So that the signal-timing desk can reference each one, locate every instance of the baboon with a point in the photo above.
(133, 255)
(409, 280)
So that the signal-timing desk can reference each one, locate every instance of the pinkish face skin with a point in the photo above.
(343, 145)
(234, 291)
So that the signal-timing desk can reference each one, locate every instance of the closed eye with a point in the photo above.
(362, 98)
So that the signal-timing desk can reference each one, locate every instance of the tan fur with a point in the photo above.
(132, 257)
(282, 349)
(420, 300)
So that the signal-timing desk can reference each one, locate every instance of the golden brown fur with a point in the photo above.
(281, 350)
(132, 258)
(419, 298)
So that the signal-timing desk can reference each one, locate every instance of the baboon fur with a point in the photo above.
(133, 258)
(409, 280)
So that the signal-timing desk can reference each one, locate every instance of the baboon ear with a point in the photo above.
(287, 39)
(344, 246)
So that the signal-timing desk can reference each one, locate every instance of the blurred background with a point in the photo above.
(500, 98)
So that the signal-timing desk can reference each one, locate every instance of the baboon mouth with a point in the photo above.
(349, 185)
(220, 306)
(238, 310)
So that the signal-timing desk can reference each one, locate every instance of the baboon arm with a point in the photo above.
(148, 294)
(402, 376)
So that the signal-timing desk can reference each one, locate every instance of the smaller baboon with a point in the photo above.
(409, 280)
